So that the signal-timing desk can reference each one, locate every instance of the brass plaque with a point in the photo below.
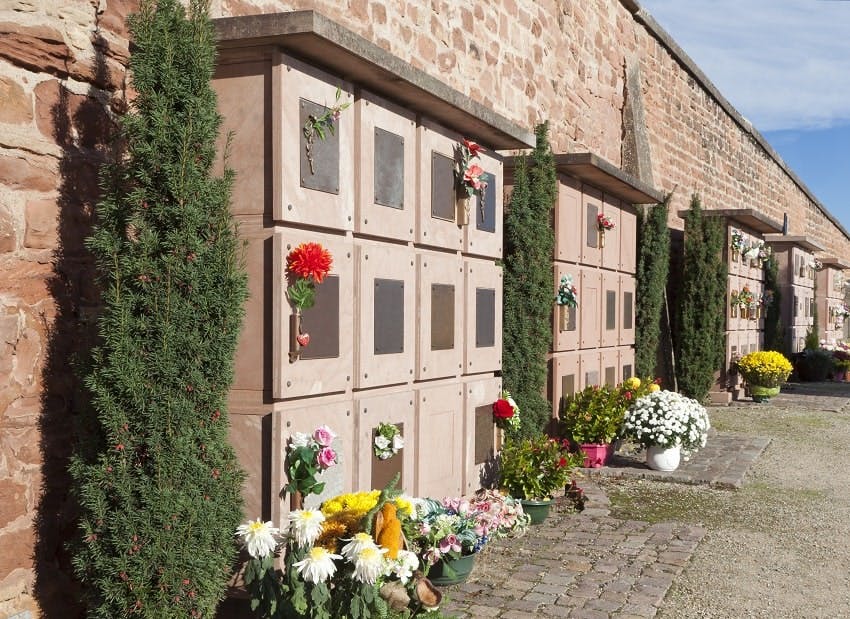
(484, 447)
(591, 378)
(611, 376)
(592, 225)
(567, 318)
(389, 170)
(322, 322)
(383, 471)
(485, 217)
(628, 305)
(442, 187)
(627, 371)
(610, 310)
(319, 157)
(389, 316)
(442, 317)
(485, 317)
(568, 385)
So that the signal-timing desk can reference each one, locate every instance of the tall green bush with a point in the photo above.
(157, 482)
(528, 289)
(652, 269)
(773, 337)
(700, 336)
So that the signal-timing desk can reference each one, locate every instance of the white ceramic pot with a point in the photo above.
(663, 458)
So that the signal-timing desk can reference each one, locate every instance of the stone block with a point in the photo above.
(70, 118)
(41, 223)
(17, 550)
(30, 172)
(17, 104)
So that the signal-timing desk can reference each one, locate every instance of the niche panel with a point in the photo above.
(591, 251)
(439, 436)
(325, 364)
(565, 323)
(436, 223)
(385, 168)
(483, 316)
(569, 222)
(627, 310)
(610, 240)
(483, 233)
(440, 307)
(628, 239)
(590, 369)
(314, 176)
(481, 436)
(564, 378)
(385, 314)
(590, 297)
(395, 408)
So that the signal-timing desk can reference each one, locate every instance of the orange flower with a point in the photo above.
(309, 260)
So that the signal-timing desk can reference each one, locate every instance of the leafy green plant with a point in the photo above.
(593, 415)
(534, 468)
(527, 330)
(701, 313)
(773, 338)
(652, 269)
(158, 484)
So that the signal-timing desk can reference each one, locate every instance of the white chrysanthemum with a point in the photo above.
(398, 442)
(258, 537)
(356, 544)
(369, 564)
(405, 563)
(305, 525)
(299, 439)
(317, 566)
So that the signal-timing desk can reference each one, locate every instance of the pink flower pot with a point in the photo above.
(596, 454)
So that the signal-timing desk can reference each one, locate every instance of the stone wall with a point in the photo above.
(62, 79)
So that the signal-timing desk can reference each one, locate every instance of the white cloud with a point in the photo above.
(784, 64)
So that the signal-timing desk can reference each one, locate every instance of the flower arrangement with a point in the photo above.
(388, 441)
(665, 419)
(361, 570)
(595, 414)
(766, 368)
(534, 468)
(738, 243)
(319, 126)
(468, 172)
(506, 411)
(752, 250)
(817, 265)
(767, 298)
(604, 223)
(567, 292)
(309, 264)
(842, 312)
(308, 456)
(743, 299)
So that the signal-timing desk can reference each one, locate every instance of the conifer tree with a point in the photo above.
(700, 336)
(652, 269)
(528, 290)
(157, 482)
(773, 339)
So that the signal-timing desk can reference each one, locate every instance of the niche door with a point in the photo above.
(483, 342)
(440, 303)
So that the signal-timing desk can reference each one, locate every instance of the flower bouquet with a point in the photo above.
(345, 560)
(604, 223)
(764, 371)
(666, 422)
(388, 441)
(307, 457)
(470, 177)
(506, 411)
(307, 264)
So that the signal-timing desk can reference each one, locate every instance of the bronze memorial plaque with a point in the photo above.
(319, 156)
(485, 317)
(389, 169)
(592, 225)
(442, 316)
(610, 310)
(322, 322)
(628, 304)
(442, 187)
(389, 316)
(484, 448)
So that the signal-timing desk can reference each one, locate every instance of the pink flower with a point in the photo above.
(472, 175)
(424, 528)
(324, 436)
(326, 458)
(449, 543)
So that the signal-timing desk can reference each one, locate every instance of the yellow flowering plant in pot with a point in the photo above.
(764, 371)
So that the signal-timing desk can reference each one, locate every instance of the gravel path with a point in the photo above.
(779, 546)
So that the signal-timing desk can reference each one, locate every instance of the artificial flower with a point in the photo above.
(318, 566)
(356, 544)
(404, 565)
(472, 175)
(473, 147)
(502, 409)
(309, 261)
(305, 525)
(326, 458)
(398, 442)
(299, 439)
(324, 436)
(258, 537)
(388, 441)
(369, 564)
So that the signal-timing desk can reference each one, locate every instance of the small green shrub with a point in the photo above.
(534, 468)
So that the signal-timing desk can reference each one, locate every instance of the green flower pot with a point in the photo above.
(448, 571)
(538, 510)
(763, 394)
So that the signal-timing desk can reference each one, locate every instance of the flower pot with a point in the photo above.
(462, 205)
(537, 510)
(763, 394)
(602, 238)
(596, 455)
(448, 571)
(663, 458)
(295, 336)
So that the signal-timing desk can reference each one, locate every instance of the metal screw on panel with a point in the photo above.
(347, 378)
(289, 206)
(365, 221)
(289, 383)
(348, 413)
(288, 424)
(348, 255)
(365, 410)
(365, 376)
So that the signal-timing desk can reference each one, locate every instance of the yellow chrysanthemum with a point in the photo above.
(404, 505)
(332, 532)
(765, 368)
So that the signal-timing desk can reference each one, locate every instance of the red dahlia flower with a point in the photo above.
(309, 260)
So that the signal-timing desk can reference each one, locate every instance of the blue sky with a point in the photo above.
(785, 66)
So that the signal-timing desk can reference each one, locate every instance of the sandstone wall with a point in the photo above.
(62, 79)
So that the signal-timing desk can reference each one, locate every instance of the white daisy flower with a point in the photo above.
(317, 566)
(357, 543)
(258, 537)
(305, 525)
(369, 565)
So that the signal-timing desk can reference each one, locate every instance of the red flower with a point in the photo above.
(502, 409)
(562, 463)
(473, 147)
(309, 260)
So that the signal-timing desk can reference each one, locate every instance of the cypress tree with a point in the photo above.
(157, 482)
(702, 304)
(528, 291)
(652, 269)
(773, 339)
